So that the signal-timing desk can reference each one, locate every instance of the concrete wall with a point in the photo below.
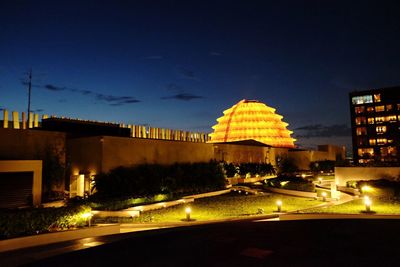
(338, 151)
(240, 153)
(85, 155)
(30, 144)
(19, 144)
(119, 151)
(104, 153)
(344, 174)
(303, 158)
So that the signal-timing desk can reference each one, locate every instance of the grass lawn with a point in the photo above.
(357, 206)
(227, 206)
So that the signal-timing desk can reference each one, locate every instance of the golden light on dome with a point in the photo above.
(251, 119)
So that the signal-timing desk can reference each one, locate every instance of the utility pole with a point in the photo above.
(29, 94)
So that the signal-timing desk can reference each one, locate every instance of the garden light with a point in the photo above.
(320, 179)
(279, 205)
(367, 202)
(188, 210)
(87, 216)
(323, 196)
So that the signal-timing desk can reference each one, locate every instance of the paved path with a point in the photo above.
(245, 243)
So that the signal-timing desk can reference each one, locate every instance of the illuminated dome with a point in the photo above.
(251, 119)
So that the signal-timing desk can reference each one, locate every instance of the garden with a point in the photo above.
(227, 206)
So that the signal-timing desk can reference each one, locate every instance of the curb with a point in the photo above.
(50, 238)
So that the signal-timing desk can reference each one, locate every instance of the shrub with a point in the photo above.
(151, 179)
(323, 165)
(291, 183)
(245, 169)
(39, 220)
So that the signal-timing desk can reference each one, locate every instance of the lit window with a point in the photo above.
(365, 99)
(372, 142)
(361, 131)
(377, 97)
(366, 152)
(390, 141)
(371, 120)
(392, 151)
(379, 119)
(359, 110)
(379, 108)
(398, 106)
(388, 151)
(389, 107)
(391, 118)
(381, 129)
(370, 109)
(381, 141)
(360, 120)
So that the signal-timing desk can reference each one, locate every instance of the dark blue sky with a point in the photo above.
(179, 64)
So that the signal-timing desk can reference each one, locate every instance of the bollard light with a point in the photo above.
(323, 196)
(87, 216)
(367, 202)
(188, 210)
(279, 205)
(320, 180)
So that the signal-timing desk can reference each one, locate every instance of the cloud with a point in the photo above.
(52, 87)
(215, 54)
(187, 73)
(319, 130)
(117, 100)
(112, 100)
(174, 87)
(183, 97)
(155, 57)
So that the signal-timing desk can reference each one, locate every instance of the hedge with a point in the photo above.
(152, 179)
(291, 183)
(30, 221)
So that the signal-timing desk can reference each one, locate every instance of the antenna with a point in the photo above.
(29, 94)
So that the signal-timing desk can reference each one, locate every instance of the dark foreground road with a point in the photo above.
(285, 243)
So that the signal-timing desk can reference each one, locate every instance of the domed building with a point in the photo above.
(252, 120)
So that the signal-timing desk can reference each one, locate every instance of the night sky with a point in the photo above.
(179, 64)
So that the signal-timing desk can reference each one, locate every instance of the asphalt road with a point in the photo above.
(246, 243)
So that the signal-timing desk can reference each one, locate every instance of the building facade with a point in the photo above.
(375, 124)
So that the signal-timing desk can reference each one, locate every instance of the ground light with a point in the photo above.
(279, 205)
(323, 196)
(188, 211)
(367, 202)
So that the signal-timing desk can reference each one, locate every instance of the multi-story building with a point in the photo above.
(375, 124)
